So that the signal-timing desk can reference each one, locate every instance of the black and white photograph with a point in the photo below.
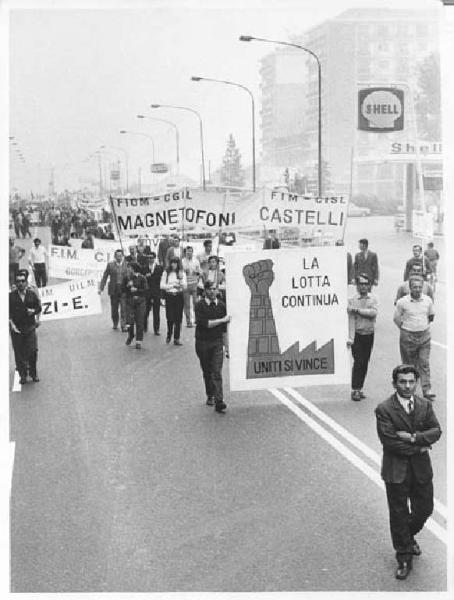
(226, 317)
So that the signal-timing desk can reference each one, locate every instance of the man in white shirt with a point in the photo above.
(37, 261)
(413, 316)
(191, 267)
(362, 313)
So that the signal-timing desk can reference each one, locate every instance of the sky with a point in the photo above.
(79, 75)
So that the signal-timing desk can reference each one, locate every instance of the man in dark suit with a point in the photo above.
(366, 262)
(407, 428)
(115, 272)
(153, 273)
(24, 308)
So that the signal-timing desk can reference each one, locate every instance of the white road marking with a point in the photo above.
(12, 454)
(352, 439)
(16, 385)
(357, 462)
(438, 344)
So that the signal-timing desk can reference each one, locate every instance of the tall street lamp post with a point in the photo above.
(177, 135)
(126, 162)
(250, 38)
(243, 87)
(201, 132)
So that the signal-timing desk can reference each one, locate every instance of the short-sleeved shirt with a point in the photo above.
(415, 314)
(38, 255)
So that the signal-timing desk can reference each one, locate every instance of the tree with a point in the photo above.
(428, 98)
(231, 170)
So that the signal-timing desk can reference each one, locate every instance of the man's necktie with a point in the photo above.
(410, 406)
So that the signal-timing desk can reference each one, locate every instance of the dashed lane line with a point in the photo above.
(12, 454)
(352, 439)
(357, 462)
(16, 385)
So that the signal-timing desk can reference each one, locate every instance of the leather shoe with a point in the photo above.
(220, 407)
(35, 378)
(210, 401)
(403, 570)
(157, 333)
(416, 550)
(167, 340)
(23, 380)
(128, 340)
(177, 343)
(355, 395)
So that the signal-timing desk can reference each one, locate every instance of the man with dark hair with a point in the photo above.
(211, 326)
(153, 274)
(362, 314)
(407, 428)
(24, 307)
(413, 315)
(134, 287)
(37, 261)
(366, 262)
(418, 259)
(115, 272)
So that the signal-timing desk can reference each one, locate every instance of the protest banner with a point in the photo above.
(196, 211)
(78, 298)
(289, 322)
(66, 262)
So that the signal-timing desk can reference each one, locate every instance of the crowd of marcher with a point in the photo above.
(142, 281)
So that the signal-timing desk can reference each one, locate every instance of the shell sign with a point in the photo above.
(380, 109)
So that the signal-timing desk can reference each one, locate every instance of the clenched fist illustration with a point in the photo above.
(259, 276)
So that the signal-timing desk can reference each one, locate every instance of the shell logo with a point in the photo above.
(381, 109)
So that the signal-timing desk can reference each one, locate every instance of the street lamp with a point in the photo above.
(143, 135)
(243, 87)
(126, 162)
(201, 132)
(177, 135)
(250, 38)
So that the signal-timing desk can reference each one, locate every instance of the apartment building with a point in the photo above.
(359, 47)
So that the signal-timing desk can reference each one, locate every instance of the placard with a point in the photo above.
(289, 322)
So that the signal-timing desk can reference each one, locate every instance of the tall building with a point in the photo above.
(360, 47)
(283, 89)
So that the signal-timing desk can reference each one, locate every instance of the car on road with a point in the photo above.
(358, 211)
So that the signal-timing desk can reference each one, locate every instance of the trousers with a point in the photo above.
(174, 314)
(136, 316)
(415, 350)
(361, 351)
(211, 356)
(25, 346)
(405, 523)
(153, 302)
(40, 274)
(118, 301)
(189, 292)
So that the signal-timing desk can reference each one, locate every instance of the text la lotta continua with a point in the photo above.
(311, 282)
(210, 218)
